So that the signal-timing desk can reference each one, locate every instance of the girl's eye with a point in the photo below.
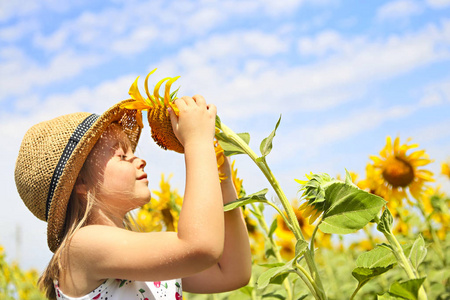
(123, 157)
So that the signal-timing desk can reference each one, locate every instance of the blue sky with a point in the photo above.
(343, 75)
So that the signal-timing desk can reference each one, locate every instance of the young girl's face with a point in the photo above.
(123, 182)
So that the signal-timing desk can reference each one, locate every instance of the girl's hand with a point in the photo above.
(196, 121)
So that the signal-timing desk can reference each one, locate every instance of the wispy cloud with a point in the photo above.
(399, 9)
(438, 4)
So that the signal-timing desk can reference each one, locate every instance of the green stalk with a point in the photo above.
(263, 224)
(261, 163)
(403, 261)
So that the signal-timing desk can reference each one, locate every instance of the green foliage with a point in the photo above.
(418, 252)
(407, 289)
(349, 208)
(266, 144)
(255, 197)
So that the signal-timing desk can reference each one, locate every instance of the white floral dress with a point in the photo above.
(117, 289)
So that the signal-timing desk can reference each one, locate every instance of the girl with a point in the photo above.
(79, 173)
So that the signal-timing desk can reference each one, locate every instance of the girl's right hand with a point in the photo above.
(196, 121)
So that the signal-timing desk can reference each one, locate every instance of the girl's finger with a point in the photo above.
(211, 108)
(180, 103)
(199, 100)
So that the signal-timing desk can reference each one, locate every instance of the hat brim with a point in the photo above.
(58, 208)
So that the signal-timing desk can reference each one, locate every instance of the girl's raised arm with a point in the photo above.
(98, 252)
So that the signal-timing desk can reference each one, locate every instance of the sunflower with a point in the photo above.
(286, 238)
(445, 169)
(395, 172)
(237, 181)
(436, 206)
(162, 212)
(220, 157)
(157, 112)
(314, 195)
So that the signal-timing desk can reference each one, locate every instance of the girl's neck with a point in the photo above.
(108, 218)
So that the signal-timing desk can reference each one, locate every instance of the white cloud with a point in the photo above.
(26, 8)
(436, 93)
(399, 9)
(334, 80)
(136, 42)
(438, 4)
(20, 73)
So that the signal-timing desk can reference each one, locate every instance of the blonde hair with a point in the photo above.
(77, 215)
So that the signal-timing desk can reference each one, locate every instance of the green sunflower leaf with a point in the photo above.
(272, 275)
(256, 197)
(273, 227)
(408, 289)
(348, 208)
(380, 257)
(386, 221)
(364, 275)
(418, 252)
(388, 296)
(229, 146)
(266, 144)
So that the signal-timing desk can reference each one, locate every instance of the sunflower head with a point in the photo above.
(157, 111)
(314, 194)
(445, 169)
(395, 171)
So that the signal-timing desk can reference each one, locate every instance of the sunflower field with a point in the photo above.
(381, 236)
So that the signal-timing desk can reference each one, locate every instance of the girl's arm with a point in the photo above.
(233, 270)
(98, 252)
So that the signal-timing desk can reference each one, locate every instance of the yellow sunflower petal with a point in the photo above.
(422, 162)
(136, 95)
(377, 161)
(396, 144)
(301, 181)
(308, 211)
(167, 90)
(416, 154)
(388, 148)
(139, 119)
(314, 216)
(150, 97)
(156, 90)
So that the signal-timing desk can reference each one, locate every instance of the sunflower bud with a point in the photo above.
(157, 112)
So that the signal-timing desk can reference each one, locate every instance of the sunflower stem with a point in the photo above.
(311, 244)
(262, 222)
(403, 261)
(310, 283)
(261, 163)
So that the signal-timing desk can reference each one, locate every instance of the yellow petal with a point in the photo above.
(146, 86)
(167, 90)
(301, 181)
(136, 95)
(156, 90)
(377, 161)
(416, 154)
(388, 144)
(396, 144)
(313, 217)
(421, 162)
(139, 119)
(135, 105)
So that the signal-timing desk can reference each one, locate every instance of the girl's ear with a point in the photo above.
(80, 187)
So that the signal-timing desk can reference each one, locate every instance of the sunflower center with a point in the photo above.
(398, 172)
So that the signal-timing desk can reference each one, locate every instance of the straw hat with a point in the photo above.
(51, 156)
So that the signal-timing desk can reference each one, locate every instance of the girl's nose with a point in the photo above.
(142, 163)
